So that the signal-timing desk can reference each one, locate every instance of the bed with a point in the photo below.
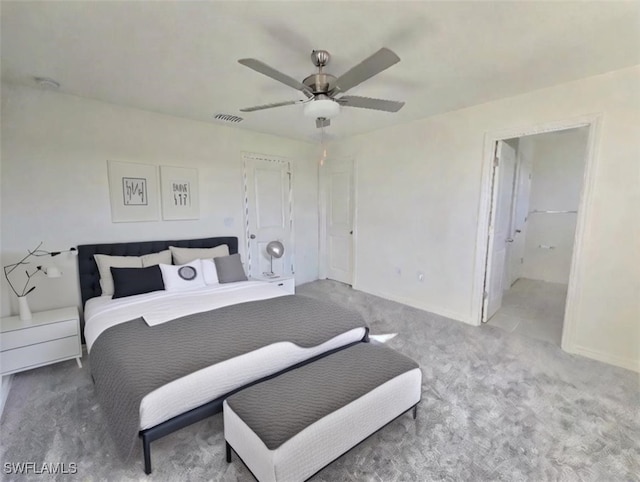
(164, 360)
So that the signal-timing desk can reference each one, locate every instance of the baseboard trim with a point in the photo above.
(4, 391)
(627, 363)
(421, 306)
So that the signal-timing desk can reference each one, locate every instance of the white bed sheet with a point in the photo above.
(158, 307)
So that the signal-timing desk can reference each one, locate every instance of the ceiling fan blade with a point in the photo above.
(273, 104)
(370, 103)
(322, 122)
(264, 69)
(381, 60)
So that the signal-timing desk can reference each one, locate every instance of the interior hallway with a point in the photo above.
(533, 308)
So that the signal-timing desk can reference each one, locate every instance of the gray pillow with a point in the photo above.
(136, 281)
(229, 268)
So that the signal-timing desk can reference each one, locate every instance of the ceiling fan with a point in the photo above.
(324, 92)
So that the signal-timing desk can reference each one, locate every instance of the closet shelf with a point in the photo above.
(536, 211)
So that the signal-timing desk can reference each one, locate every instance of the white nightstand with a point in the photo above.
(288, 283)
(50, 337)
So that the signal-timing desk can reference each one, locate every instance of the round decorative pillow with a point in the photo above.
(187, 273)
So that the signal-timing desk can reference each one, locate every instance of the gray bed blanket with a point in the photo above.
(132, 359)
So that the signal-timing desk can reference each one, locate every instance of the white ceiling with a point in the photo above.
(180, 58)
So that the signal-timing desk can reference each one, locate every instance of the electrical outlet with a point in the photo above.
(420, 276)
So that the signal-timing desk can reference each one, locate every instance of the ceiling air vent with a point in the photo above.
(228, 118)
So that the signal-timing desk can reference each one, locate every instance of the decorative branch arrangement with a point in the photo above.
(12, 267)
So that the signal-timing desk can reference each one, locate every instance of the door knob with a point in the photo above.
(509, 240)
(252, 236)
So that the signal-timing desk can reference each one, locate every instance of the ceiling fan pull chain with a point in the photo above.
(324, 147)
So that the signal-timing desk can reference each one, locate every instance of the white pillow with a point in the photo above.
(210, 272)
(186, 255)
(163, 257)
(105, 262)
(184, 277)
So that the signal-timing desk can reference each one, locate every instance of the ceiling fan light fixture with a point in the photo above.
(325, 108)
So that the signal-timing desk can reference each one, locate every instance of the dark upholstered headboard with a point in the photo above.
(88, 269)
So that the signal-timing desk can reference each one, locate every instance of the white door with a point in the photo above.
(337, 179)
(499, 235)
(268, 208)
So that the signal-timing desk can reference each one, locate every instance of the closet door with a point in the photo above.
(337, 191)
(268, 214)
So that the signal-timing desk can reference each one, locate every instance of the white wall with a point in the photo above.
(55, 189)
(556, 181)
(418, 194)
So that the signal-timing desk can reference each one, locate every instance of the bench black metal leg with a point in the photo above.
(415, 411)
(228, 452)
(146, 449)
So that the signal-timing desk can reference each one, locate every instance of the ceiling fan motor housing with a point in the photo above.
(320, 83)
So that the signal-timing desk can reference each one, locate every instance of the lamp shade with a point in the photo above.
(325, 108)
(275, 249)
(53, 272)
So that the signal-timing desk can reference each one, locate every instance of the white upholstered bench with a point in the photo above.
(290, 427)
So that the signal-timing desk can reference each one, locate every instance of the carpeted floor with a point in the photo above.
(533, 308)
(496, 406)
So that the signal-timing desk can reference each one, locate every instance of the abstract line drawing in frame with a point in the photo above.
(180, 196)
(133, 191)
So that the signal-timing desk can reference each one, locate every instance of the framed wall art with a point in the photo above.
(180, 197)
(133, 190)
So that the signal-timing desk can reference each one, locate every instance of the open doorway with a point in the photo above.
(536, 195)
